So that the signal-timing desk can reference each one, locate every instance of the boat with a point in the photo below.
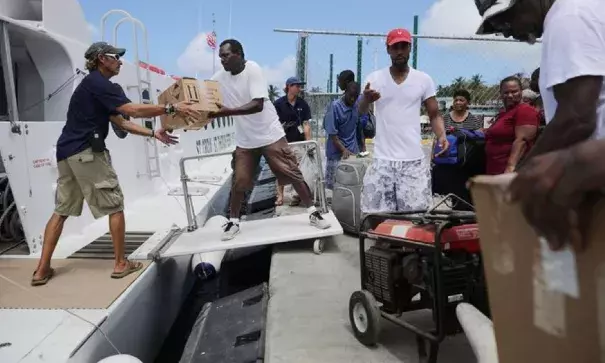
(175, 199)
(82, 315)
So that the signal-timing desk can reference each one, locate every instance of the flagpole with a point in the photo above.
(213, 50)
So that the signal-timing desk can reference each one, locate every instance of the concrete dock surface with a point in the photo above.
(308, 317)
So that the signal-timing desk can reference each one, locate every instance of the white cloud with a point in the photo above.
(461, 18)
(198, 58)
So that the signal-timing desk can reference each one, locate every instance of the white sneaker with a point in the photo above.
(230, 230)
(316, 220)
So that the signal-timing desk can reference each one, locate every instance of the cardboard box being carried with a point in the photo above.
(546, 306)
(205, 96)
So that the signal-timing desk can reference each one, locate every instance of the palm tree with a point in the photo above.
(273, 92)
(459, 83)
(476, 81)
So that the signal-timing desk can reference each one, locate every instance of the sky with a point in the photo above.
(177, 36)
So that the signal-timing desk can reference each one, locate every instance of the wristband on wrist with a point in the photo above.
(169, 109)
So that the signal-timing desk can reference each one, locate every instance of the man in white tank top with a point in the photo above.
(399, 178)
(258, 132)
(552, 185)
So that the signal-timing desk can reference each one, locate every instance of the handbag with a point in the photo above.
(369, 129)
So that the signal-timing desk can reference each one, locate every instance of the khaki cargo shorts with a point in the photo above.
(88, 175)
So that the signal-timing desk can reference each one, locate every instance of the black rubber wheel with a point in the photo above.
(364, 316)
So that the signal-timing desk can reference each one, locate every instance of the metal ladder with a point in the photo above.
(150, 145)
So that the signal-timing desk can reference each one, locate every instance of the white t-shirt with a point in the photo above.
(573, 45)
(398, 114)
(259, 129)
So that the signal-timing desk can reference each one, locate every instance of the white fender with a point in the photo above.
(208, 264)
(480, 333)
(120, 358)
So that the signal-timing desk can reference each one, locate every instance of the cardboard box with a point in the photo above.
(205, 96)
(546, 306)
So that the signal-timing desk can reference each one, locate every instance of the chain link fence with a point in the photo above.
(474, 64)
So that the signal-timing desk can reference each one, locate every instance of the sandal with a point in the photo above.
(132, 267)
(43, 280)
(279, 201)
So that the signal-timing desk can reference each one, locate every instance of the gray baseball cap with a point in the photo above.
(100, 48)
(488, 9)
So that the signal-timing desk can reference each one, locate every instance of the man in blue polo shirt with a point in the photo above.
(83, 162)
(341, 126)
(294, 114)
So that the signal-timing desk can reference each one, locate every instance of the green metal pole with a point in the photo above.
(331, 81)
(359, 58)
(415, 44)
(301, 59)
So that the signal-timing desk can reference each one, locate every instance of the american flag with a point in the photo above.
(211, 40)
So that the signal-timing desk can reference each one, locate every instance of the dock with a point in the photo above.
(308, 319)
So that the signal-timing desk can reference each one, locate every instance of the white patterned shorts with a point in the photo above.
(396, 186)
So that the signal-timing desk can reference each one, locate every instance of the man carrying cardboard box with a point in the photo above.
(85, 170)
(572, 87)
(258, 132)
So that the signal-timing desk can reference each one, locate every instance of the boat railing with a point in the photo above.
(192, 224)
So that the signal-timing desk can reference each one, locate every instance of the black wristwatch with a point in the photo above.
(169, 109)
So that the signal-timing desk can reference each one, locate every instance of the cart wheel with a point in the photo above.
(364, 316)
(318, 246)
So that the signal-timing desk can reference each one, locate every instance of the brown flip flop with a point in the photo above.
(43, 280)
(132, 267)
(279, 202)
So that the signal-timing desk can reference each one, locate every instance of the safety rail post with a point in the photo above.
(191, 220)
(9, 78)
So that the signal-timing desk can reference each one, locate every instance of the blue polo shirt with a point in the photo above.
(292, 116)
(91, 104)
(342, 121)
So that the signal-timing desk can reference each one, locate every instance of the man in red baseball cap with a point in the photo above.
(399, 178)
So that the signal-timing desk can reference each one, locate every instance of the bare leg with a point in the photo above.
(235, 203)
(303, 191)
(280, 195)
(117, 229)
(52, 232)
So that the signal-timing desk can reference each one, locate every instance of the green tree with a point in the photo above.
(273, 93)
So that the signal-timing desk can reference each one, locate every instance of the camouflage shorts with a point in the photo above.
(396, 186)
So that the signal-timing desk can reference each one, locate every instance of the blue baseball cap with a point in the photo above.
(294, 80)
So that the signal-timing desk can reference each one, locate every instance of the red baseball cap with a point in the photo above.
(398, 35)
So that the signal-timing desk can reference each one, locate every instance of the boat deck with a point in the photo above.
(59, 321)
(308, 319)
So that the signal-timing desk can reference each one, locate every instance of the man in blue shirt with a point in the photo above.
(344, 78)
(85, 171)
(341, 123)
(294, 114)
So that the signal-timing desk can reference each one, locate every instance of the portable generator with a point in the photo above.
(421, 260)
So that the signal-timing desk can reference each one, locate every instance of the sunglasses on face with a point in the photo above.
(114, 56)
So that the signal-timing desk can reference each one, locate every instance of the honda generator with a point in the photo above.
(420, 260)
